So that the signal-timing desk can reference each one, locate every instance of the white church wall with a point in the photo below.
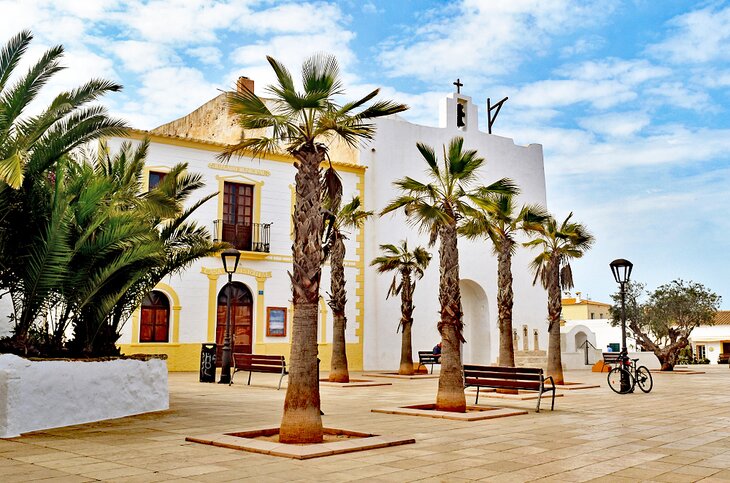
(393, 154)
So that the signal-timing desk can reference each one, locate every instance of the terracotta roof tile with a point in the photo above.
(722, 317)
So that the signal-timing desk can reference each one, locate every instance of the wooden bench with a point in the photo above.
(520, 378)
(428, 357)
(258, 363)
(611, 358)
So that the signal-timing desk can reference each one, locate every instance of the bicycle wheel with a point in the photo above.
(643, 379)
(614, 380)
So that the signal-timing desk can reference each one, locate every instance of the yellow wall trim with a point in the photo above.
(217, 272)
(138, 134)
(239, 169)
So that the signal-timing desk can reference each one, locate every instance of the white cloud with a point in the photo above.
(616, 124)
(295, 18)
(699, 36)
(371, 8)
(574, 152)
(180, 22)
(291, 50)
(206, 54)
(678, 94)
(557, 93)
(603, 84)
(166, 94)
(486, 38)
(631, 72)
(583, 45)
(138, 56)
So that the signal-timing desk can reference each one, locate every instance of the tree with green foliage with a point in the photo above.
(34, 216)
(101, 245)
(438, 208)
(145, 237)
(338, 219)
(302, 123)
(498, 220)
(664, 322)
(558, 245)
(409, 266)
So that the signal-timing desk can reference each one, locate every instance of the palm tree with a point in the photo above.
(558, 244)
(134, 240)
(496, 219)
(35, 213)
(301, 123)
(437, 208)
(102, 245)
(31, 144)
(348, 216)
(410, 265)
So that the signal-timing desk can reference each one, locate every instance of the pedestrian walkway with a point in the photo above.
(679, 432)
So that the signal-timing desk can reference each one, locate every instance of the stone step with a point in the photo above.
(532, 359)
(530, 353)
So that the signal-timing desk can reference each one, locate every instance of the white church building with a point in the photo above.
(253, 212)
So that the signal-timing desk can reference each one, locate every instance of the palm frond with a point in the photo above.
(11, 54)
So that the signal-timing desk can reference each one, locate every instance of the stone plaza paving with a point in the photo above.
(679, 432)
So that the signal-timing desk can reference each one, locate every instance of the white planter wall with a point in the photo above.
(37, 395)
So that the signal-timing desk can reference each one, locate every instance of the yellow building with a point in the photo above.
(577, 308)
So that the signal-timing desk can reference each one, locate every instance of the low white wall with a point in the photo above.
(647, 359)
(38, 395)
(577, 360)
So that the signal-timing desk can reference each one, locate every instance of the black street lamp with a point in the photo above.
(230, 257)
(621, 269)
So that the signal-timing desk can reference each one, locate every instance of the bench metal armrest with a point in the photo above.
(552, 383)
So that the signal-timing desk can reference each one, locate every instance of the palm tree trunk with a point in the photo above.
(505, 297)
(450, 395)
(302, 421)
(406, 321)
(338, 299)
(555, 365)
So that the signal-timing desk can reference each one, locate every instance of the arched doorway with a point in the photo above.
(154, 323)
(477, 326)
(241, 319)
(580, 340)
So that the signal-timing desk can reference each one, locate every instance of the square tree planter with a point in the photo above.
(43, 394)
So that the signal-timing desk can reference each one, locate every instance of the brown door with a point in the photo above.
(241, 319)
(238, 214)
(155, 321)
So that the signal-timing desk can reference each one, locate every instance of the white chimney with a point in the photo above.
(577, 297)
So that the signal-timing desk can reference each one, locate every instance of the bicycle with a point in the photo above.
(640, 377)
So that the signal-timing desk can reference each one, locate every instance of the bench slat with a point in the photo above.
(503, 375)
(505, 383)
(524, 370)
(273, 369)
(242, 356)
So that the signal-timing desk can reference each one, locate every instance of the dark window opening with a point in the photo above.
(155, 178)
(155, 320)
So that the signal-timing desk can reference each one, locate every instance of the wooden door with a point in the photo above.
(238, 214)
(241, 319)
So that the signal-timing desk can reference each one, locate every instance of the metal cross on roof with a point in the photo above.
(458, 85)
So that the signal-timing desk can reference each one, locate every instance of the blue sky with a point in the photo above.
(629, 98)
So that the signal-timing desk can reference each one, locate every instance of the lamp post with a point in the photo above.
(621, 270)
(230, 257)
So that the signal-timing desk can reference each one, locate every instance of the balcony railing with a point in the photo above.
(250, 237)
